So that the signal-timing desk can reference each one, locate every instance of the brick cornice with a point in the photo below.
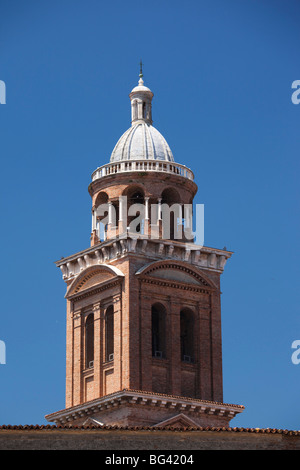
(176, 285)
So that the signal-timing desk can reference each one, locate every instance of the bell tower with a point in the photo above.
(143, 342)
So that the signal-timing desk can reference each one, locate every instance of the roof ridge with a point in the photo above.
(146, 428)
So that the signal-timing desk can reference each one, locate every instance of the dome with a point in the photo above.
(140, 88)
(142, 147)
(142, 142)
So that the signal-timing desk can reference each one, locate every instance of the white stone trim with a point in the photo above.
(140, 398)
(143, 165)
(202, 257)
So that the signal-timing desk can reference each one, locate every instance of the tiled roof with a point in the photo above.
(181, 397)
(145, 428)
(162, 395)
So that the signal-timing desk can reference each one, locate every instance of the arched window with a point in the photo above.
(187, 335)
(136, 198)
(116, 214)
(158, 319)
(101, 205)
(171, 198)
(109, 333)
(135, 195)
(89, 341)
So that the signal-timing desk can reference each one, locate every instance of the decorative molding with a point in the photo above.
(76, 314)
(169, 265)
(175, 285)
(210, 259)
(137, 398)
(110, 271)
(95, 289)
(146, 275)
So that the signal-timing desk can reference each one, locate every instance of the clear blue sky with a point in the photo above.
(221, 73)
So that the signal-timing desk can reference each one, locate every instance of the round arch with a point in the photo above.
(107, 271)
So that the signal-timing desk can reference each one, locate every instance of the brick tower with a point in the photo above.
(143, 301)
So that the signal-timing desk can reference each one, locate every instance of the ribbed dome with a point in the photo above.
(142, 142)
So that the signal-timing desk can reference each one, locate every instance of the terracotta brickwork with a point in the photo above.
(143, 301)
(56, 438)
(133, 365)
(184, 359)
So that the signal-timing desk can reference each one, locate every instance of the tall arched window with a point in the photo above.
(89, 341)
(101, 204)
(187, 335)
(171, 198)
(135, 196)
(109, 333)
(158, 319)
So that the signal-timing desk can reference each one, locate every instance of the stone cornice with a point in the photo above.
(141, 398)
(211, 259)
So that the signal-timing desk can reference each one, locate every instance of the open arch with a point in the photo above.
(102, 198)
(170, 196)
(132, 189)
(102, 212)
(171, 214)
(135, 195)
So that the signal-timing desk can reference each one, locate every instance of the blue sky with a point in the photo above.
(221, 73)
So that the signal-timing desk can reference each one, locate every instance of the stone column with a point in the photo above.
(122, 223)
(94, 221)
(159, 218)
(111, 229)
(159, 209)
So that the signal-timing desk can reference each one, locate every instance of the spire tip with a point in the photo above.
(141, 69)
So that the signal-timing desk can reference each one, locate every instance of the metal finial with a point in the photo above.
(141, 69)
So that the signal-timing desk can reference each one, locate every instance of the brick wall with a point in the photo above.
(102, 439)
